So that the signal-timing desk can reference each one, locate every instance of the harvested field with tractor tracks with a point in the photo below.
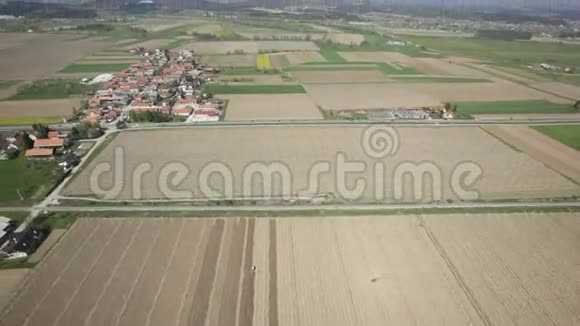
(458, 269)
(508, 174)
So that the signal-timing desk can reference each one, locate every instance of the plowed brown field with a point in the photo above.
(299, 150)
(29, 56)
(455, 270)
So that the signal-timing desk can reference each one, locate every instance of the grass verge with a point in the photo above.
(25, 121)
(16, 264)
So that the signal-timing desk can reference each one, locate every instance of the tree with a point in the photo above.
(40, 130)
(577, 105)
(121, 124)
(27, 141)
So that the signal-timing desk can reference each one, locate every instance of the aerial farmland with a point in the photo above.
(265, 167)
(362, 270)
(514, 176)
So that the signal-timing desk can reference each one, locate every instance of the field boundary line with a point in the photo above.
(86, 276)
(138, 276)
(113, 272)
(520, 82)
(336, 246)
(456, 275)
(248, 278)
(27, 281)
(164, 277)
(273, 281)
(57, 279)
(243, 274)
(201, 240)
(209, 266)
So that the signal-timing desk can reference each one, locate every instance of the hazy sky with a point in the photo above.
(508, 4)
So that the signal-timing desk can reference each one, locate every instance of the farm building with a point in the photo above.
(40, 154)
(50, 143)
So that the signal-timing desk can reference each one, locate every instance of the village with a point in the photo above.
(164, 87)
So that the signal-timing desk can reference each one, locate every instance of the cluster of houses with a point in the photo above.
(553, 68)
(165, 82)
(39, 148)
(46, 148)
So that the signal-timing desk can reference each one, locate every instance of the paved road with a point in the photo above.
(144, 126)
(51, 198)
(36, 210)
(278, 208)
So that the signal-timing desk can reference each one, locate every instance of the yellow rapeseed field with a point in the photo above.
(263, 62)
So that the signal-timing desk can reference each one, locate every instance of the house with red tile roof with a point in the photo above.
(49, 143)
(183, 111)
(53, 134)
(40, 154)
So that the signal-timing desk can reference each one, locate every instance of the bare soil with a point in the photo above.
(150, 44)
(565, 90)
(345, 38)
(298, 58)
(235, 60)
(340, 76)
(10, 280)
(542, 148)
(39, 108)
(270, 107)
(508, 174)
(370, 96)
(470, 269)
(30, 56)
(248, 47)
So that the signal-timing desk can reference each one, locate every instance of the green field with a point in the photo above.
(331, 56)
(568, 134)
(92, 68)
(388, 69)
(373, 42)
(255, 89)
(514, 107)
(51, 89)
(32, 179)
(429, 79)
(24, 121)
(515, 52)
